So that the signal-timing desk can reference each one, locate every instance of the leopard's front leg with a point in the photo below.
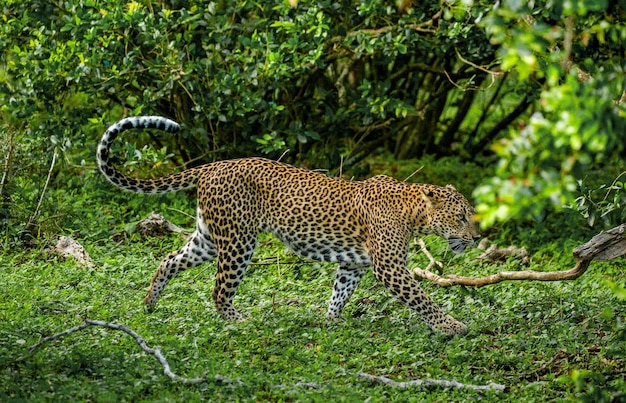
(390, 269)
(398, 280)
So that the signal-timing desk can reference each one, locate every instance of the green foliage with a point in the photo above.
(579, 121)
(610, 208)
(323, 79)
(538, 86)
(597, 387)
(21, 181)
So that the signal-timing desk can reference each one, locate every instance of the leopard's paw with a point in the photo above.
(229, 313)
(149, 303)
(451, 327)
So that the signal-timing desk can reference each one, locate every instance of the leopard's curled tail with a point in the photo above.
(171, 183)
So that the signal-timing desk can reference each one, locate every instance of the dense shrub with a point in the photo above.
(330, 81)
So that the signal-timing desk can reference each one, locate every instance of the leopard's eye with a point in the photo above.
(462, 218)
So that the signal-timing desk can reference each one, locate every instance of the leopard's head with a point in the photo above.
(450, 216)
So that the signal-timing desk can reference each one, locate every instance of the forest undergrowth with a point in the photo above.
(544, 341)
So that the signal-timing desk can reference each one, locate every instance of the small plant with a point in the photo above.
(611, 208)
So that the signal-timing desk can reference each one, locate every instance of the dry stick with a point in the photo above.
(142, 343)
(423, 383)
(223, 379)
(32, 219)
(495, 253)
(414, 172)
(7, 163)
(603, 247)
(433, 262)
(283, 155)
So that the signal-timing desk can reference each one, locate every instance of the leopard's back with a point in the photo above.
(317, 216)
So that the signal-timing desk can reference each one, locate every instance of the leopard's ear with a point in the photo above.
(429, 198)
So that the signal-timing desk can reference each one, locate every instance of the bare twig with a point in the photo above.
(433, 262)
(33, 218)
(142, 343)
(426, 26)
(58, 336)
(7, 162)
(612, 187)
(341, 167)
(283, 155)
(451, 279)
(154, 351)
(191, 216)
(495, 253)
(424, 383)
(414, 172)
(602, 247)
(476, 66)
(451, 81)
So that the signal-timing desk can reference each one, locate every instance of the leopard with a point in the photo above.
(356, 224)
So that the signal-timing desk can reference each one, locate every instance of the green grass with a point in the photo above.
(545, 341)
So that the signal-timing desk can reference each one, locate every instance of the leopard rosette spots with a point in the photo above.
(357, 224)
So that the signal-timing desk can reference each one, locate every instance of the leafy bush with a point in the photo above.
(610, 207)
(579, 122)
(332, 81)
(324, 79)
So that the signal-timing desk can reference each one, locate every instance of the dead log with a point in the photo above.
(156, 225)
(66, 246)
(495, 253)
(603, 247)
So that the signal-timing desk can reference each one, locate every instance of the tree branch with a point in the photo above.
(424, 383)
(602, 247)
(433, 263)
(33, 218)
(142, 343)
(426, 26)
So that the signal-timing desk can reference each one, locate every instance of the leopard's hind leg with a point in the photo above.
(347, 279)
(199, 249)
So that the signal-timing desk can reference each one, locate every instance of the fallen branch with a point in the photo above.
(424, 383)
(142, 343)
(603, 247)
(433, 262)
(495, 253)
(154, 351)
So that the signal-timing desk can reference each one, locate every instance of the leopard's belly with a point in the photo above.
(324, 246)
